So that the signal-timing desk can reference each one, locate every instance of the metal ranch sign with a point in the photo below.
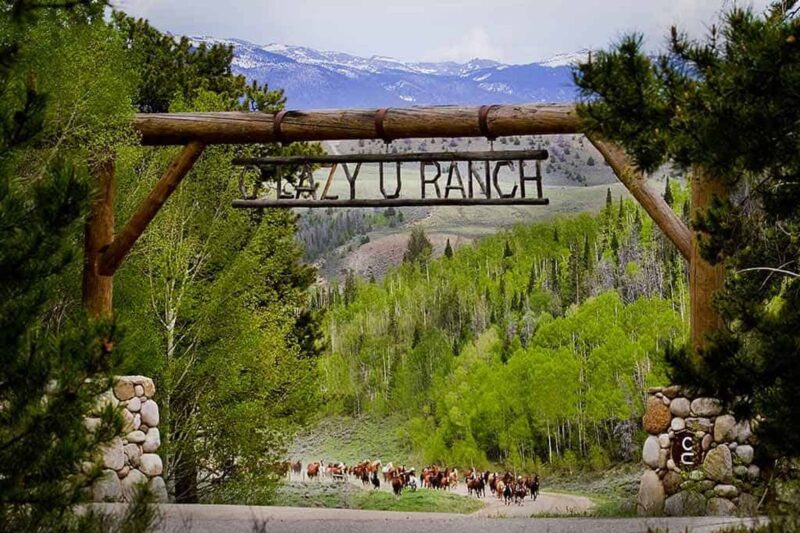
(443, 178)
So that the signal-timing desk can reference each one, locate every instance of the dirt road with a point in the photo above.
(244, 519)
(547, 503)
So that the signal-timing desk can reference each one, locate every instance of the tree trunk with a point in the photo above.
(98, 234)
(182, 438)
(133, 229)
(704, 279)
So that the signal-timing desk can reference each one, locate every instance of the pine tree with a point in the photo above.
(350, 287)
(637, 221)
(448, 250)
(727, 106)
(571, 290)
(176, 68)
(668, 198)
(587, 255)
(553, 281)
(419, 248)
(609, 199)
(532, 277)
(615, 244)
(507, 251)
(53, 369)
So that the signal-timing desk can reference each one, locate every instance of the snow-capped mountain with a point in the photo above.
(319, 79)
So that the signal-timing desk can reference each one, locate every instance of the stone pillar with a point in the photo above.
(131, 459)
(698, 459)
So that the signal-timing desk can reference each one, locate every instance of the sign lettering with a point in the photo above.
(290, 182)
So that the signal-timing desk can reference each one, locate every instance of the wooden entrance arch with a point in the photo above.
(105, 252)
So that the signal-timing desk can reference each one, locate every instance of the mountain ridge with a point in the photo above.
(312, 78)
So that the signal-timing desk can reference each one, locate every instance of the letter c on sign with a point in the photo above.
(687, 445)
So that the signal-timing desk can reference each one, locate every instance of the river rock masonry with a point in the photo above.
(698, 459)
(131, 459)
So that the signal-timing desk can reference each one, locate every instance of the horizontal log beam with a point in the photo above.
(504, 155)
(386, 202)
(113, 256)
(341, 124)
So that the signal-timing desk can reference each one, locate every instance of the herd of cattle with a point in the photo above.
(508, 487)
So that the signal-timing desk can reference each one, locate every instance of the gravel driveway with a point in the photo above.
(239, 518)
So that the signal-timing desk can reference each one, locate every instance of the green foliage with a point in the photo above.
(598, 458)
(427, 501)
(512, 357)
(668, 197)
(170, 70)
(448, 250)
(419, 248)
(56, 362)
(215, 300)
(726, 106)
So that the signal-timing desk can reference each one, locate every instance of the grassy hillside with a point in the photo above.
(419, 501)
(381, 246)
(613, 490)
(353, 439)
(575, 177)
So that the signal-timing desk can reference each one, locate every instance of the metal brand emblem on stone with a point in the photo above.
(686, 450)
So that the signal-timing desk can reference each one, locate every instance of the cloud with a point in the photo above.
(516, 31)
(139, 8)
(475, 43)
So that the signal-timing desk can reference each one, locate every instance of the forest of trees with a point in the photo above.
(322, 232)
(534, 344)
(212, 302)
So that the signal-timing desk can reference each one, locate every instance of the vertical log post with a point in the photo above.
(704, 279)
(98, 234)
(111, 258)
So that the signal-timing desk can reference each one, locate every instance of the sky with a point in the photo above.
(512, 31)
